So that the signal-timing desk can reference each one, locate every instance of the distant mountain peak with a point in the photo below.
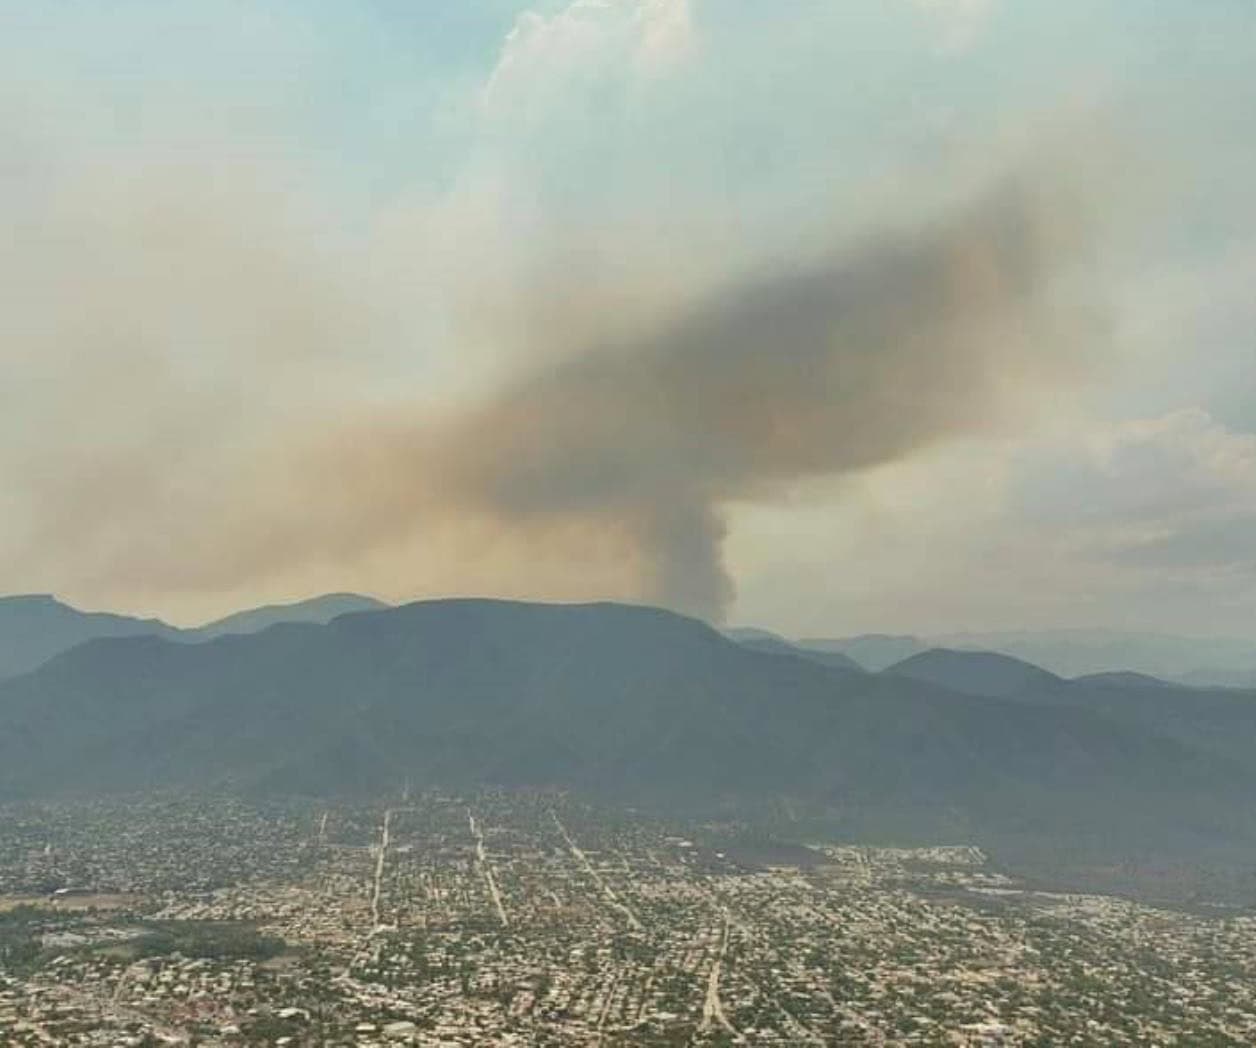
(36, 626)
(770, 644)
(1122, 679)
(873, 651)
(320, 610)
(985, 673)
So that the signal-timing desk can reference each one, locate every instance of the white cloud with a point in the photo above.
(551, 61)
(1147, 523)
(1173, 492)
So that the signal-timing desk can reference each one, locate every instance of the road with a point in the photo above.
(713, 1007)
(486, 868)
(380, 859)
(605, 888)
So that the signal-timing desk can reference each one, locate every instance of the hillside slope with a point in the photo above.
(623, 701)
(36, 627)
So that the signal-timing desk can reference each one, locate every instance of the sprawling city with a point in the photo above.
(534, 919)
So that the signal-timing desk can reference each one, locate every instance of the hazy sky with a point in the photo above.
(824, 315)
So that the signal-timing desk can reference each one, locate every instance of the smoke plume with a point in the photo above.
(604, 472)
(848, 362)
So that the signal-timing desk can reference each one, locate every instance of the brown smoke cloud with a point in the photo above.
(853, 361)
(607, 473)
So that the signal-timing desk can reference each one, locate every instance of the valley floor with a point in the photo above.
(532, 919)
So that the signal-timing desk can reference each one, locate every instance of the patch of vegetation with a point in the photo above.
(211, 940)
(21, 947)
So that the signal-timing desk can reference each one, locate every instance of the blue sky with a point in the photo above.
(270, 261)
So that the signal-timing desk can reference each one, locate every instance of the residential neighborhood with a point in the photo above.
(532, 919)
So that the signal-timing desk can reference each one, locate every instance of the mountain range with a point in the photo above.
(644, 705)
(36, 627)
(1202, 661)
